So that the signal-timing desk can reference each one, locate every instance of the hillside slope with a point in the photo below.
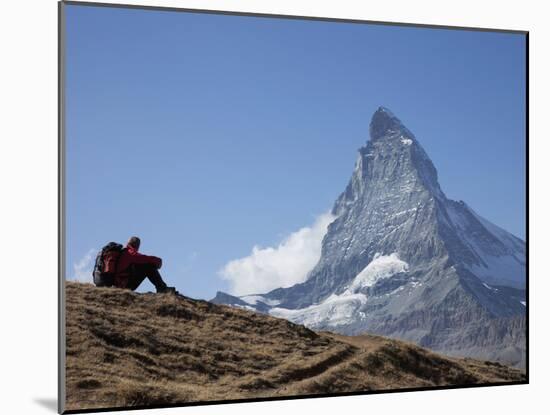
(127, 349)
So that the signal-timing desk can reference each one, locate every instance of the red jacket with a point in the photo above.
(130, 256)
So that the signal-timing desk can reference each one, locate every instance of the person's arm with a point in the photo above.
(138, 258)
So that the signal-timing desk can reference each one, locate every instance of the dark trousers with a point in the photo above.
(138, 272)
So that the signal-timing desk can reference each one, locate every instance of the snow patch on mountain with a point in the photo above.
(498, 263)
(344, 308)
(244, 307)
(382, 266)
(254, 299)
(490, 288)
(334, 311)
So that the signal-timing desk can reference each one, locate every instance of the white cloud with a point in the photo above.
(283, 266)
(82, 270)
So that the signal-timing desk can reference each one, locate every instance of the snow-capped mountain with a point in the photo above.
(403, 260)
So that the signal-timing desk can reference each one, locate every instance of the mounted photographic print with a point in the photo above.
(259, 207)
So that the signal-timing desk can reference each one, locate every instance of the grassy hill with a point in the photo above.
(129, 349)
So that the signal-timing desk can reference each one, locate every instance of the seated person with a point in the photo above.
(133, 267)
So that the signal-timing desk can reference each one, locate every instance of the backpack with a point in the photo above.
(105, 264)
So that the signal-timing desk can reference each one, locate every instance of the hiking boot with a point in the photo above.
(167, 290)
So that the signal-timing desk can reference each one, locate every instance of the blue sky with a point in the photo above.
(207, 135)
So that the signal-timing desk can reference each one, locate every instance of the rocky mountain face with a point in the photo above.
(403, 260)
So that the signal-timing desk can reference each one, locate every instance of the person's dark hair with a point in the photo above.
(134, 242)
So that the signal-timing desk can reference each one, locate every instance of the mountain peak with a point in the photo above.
(384, 122)
(385, 110)
(403, 260)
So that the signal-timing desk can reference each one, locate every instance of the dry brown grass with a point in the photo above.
(128, 349)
